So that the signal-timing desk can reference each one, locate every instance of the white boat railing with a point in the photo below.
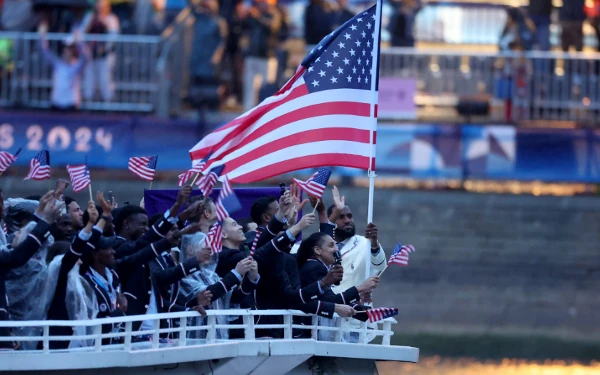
(179, 334)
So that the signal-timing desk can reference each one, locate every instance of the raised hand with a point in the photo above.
(196, 209)
(253, 272)
(296, 193)
(92, 212)
(182, 196)
(371, 234)
(45, 201)
(107, 207)
(51, 210)
(61, 186)
(368, 285)
(243, 266)
(338, 202)
(334, 275)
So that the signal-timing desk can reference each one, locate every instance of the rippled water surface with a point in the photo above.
(469, 366)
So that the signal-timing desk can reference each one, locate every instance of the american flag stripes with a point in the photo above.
(197, 168)
(316, 184)
(321, 117)
(214, 238)
(80, 176)
(255, 242)
(39, 167)
(227, 203)
(143, 166)
(400, 254)
(4, 228)
(6, 159)
(207, 183)
(381, 313)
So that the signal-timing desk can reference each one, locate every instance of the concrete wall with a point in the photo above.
(484, 263)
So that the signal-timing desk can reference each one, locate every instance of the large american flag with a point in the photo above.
(80, 176)
(228, 202)
(323, 116)
(316, 184)
(207, 183)
(381, 313)
(197, 168)
(6, 159)
(143, 166)
(214, 238)
(39, 167)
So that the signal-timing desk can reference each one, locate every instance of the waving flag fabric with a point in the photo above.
(381, 313)
(143, 166)
(400, 254)
(321, 117)
(39, 167)
(6, 159)
(228, 202)
(214, 237)
(316, 184)
(197, 168)
(80, 176)
(207, 183)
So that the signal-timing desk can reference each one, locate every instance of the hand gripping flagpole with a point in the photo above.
(373, 112)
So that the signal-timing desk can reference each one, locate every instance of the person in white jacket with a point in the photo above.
(362, 256)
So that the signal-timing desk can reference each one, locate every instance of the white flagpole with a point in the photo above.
(374, 100)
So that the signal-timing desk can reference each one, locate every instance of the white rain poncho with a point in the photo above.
(24, 284)
(80, 301)
(199, 281)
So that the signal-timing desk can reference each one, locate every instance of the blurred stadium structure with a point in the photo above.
(455, 61)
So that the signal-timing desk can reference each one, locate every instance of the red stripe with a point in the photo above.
(316, 110)
(304, 162)
(246, 122)
(311, 136)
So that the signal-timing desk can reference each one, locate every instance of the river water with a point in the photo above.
(468, 366)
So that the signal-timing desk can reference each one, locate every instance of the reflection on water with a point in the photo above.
(468, 366)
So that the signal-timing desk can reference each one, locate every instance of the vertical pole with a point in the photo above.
(374, 101)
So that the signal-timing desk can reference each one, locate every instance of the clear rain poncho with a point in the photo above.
(199, 281)
(24, 284)
(80, 301)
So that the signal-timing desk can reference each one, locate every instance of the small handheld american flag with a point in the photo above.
(39, 167)
(316, 184)
(207, 183)
(80, 176)
(381, 313)
(228, 202)
(214, 238)
(197, 168)
(400, 254)
(6, 159)
(143, 166)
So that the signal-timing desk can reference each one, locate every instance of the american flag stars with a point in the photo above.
(353, 48)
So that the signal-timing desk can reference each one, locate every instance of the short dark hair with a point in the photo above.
(305, 251)
(260, 207)
(86, 216)
(68, 201)
(330, 210)
(33, 197)
(125, 213)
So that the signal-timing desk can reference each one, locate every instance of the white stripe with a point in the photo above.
(218, 135)
(301, 297)
(344, 121)
(35, 238)
(314, 148)
(183, 269)
(74, 252)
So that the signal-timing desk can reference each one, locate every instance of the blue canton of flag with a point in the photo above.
(152, 162)
(344, 59)
(397, 248)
